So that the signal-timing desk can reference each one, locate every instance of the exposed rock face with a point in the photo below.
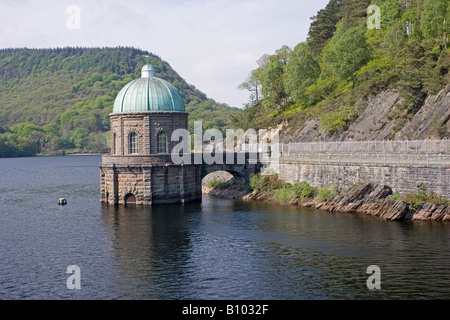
(377, 122)
(375, 200)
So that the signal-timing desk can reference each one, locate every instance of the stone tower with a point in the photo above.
(139, 169)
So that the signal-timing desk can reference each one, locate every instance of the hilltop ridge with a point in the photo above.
(59, 100)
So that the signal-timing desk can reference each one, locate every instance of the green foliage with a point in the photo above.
(335, 121)
(59, 100)
(390, 12)
(416, 200)
(327, 193)
(396, 196)
(435, 21)
(437, 127)
(323, 26)
(284, 194)
(342, 58)
(280, 190)
(301, 72)
(303, 190)
(320, 90)
(265, 183)
(272, 81)
(256, 182)
(216, 183)
(378, 73)
(348, 53)
(410, 84)
(354, 12)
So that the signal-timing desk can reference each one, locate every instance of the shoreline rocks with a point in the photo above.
(376, 200)
(368, 198)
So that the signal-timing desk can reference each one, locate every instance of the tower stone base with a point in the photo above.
(148, 180)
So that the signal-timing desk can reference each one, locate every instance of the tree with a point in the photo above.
(271, 76)
(354, 12)
(410, 84)
(252, 84)
(323, 26)
(435, 21)
(390, 12)
(301, 71)
(348, 53)
(273, 85)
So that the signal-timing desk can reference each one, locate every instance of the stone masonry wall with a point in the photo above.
(146, 125)
(404, 179)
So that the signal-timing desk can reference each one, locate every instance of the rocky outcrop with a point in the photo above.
(369, 198)
(379, 120)
(376, 200)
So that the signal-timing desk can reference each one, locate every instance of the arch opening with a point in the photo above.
(130, 199)
(226, 181)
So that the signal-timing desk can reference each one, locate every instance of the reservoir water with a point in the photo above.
(214, 249)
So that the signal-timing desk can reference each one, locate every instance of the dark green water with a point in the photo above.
(216, 249)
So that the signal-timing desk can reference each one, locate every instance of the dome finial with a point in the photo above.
(148, 71)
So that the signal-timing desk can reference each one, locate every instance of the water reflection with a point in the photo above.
(151, 245)
(221, 249)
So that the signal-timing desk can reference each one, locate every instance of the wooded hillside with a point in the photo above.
(355, 49)
(58, 100)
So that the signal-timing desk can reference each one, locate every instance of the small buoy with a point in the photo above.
(62, 201)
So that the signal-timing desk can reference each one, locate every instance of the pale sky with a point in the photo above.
(212, 44)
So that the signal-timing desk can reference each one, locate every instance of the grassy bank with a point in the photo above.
(273, 188)
(415, 200)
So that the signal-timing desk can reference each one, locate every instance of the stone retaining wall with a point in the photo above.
(402, 178)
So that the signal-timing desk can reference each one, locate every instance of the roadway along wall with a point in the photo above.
(402, 178)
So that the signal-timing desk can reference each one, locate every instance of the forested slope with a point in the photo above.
(58, 100)
(356, 52)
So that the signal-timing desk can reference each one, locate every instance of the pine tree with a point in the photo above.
(323, 26)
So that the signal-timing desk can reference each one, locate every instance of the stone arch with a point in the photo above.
(224, 176)
(130, 199)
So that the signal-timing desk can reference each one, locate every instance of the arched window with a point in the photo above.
(133, 143)
(161, 142)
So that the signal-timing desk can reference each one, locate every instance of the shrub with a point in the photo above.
(284, 194)
(216, 183)
(327, 193)
(335, 121)
(414, 200)
(396, 196)
(255, 182)
(303, 190)
(437, 199)
(378, 73)
(320, 90)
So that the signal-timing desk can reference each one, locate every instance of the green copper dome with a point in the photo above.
(148, 93)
